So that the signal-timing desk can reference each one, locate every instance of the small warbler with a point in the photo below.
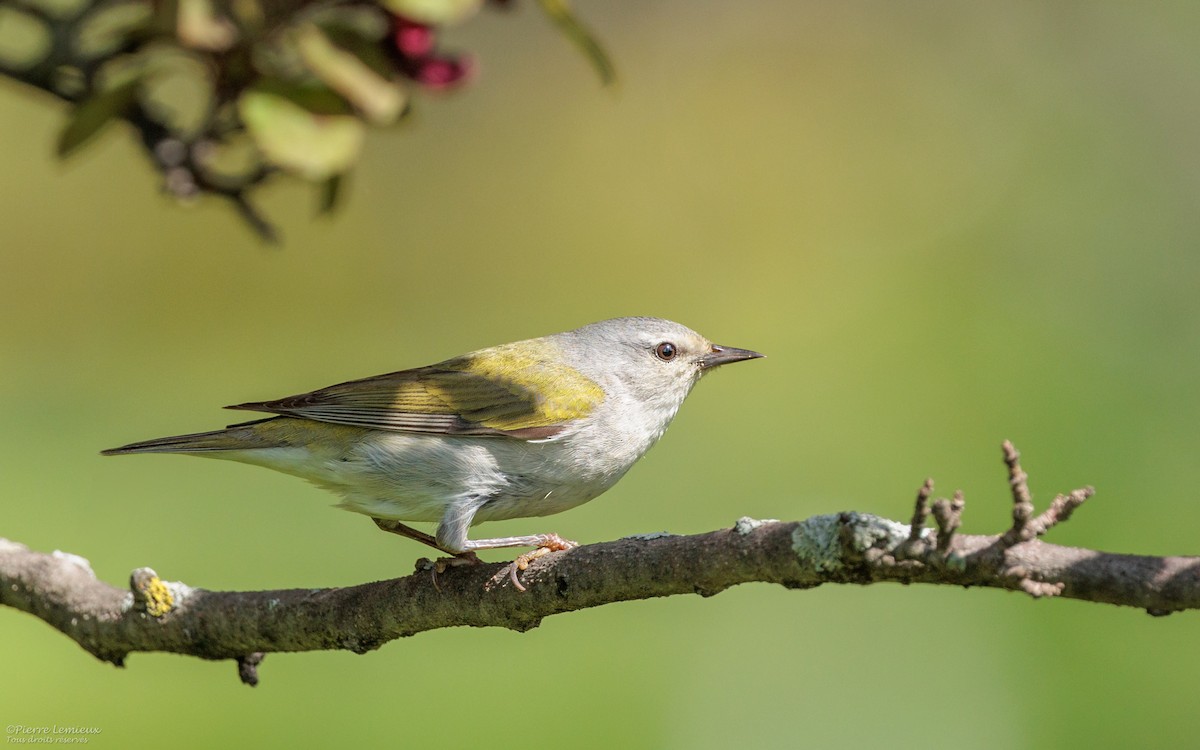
(518, 430)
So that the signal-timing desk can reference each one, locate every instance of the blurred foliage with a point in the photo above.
(945, 224)
(226, 93)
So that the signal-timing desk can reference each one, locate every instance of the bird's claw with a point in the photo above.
(442, 564)
(549, 543)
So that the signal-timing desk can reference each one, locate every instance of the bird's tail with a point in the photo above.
(234, 438)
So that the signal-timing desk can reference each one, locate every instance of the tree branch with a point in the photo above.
(156, 615)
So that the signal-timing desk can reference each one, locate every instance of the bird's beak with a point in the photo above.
(723, 355)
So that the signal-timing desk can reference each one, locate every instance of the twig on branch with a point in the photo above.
(156, 615)
(921, 511)
(1025, 526)
(948, 514)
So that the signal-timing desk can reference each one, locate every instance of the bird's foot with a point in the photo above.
(547, 543)
(442, 564)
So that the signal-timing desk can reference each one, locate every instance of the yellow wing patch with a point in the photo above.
(504, 390)
(553, 392)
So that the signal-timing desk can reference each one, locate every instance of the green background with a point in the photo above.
(946, 224)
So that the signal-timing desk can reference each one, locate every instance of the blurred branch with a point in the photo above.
(155, 615)
(226, 94)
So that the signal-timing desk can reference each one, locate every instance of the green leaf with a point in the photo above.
(25, 40)
(434, 12)
(314, 145)
(560, 14)
(178, 89)
(90, 117)
(364, 44)
(201, 27)
(379, 99)
(316, 98)
(104, 30)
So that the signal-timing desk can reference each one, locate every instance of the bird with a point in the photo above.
(520, 430)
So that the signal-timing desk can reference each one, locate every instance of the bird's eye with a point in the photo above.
(665, 351)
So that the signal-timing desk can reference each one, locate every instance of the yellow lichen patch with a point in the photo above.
(159, 600)
(152, 592)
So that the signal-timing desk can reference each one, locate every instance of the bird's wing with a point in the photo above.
(497, 391)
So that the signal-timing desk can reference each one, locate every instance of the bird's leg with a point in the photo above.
(452, 536)
(396, 527)
(549, 542)
(465, 557)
